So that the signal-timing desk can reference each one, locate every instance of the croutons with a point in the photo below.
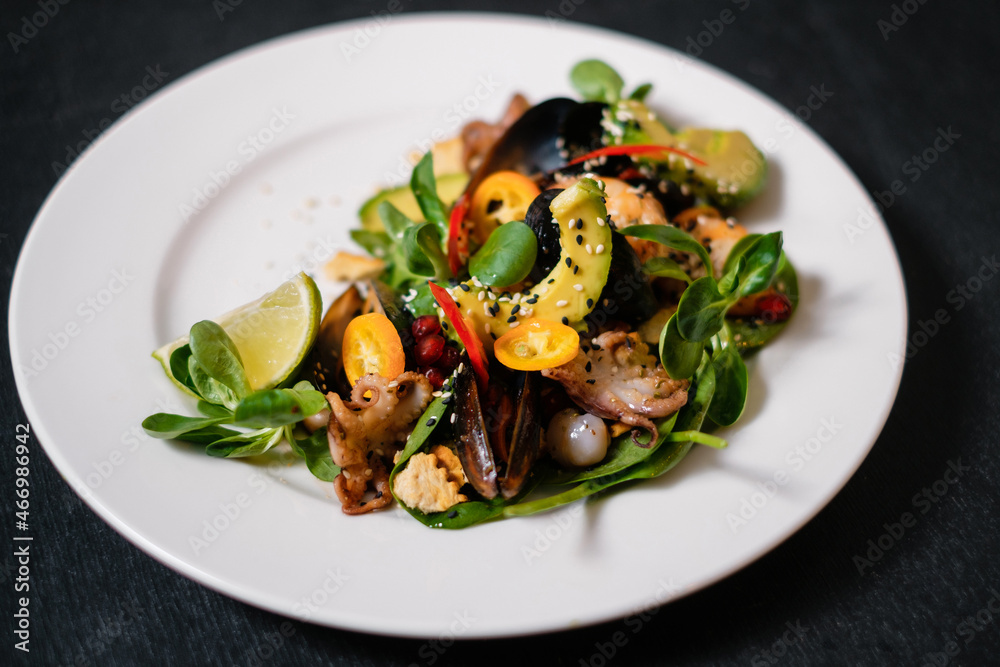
(430, 482)
(345, 266)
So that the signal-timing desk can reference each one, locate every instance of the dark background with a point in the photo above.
(96, 597)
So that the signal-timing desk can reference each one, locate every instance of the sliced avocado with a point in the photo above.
(570, 290)
(735, 171)
(449, 187)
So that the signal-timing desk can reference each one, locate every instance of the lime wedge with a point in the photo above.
(273, 333)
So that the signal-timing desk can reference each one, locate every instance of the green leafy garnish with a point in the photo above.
(597, 81)
(671, 237)
(507, 256)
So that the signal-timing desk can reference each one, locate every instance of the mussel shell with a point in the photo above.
(539, 219)
(627, 295)
(473, 445)
(324, 366)
(525, 441)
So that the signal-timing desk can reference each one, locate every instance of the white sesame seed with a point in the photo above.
(461, 366)
(486, 328)
(514, 324)
(600, 248)
(368, 472)
(600, 222)
(590, 249)
(393, 384)
(572, 223)
(482, 295)
(435, 394)
(578, 287)
(347, 474)
(517, 297)
(562, 303)
(454, 416)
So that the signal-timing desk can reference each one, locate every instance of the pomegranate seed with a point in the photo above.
(774, 307)
(428, 350)
(425, 325)
(435, 376)
(449, 359)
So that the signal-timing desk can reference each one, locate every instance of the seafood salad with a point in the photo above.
(560, 301)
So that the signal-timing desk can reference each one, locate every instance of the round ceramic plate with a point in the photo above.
(229, 181)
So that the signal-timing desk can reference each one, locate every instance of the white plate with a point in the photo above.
(110, 271)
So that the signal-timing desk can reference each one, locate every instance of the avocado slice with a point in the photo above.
(570, 290)
(735, 171)
(449, 187)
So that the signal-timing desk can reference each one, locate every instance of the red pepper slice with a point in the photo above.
(474, 346)
(637, 149)
(457, 244)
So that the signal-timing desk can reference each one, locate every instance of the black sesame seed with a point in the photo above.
(431, 421)
(465, 288)
(533, 300)
(452, 514)
(565, 320)
(505, 294)
(378, 495)
(510, 319)
(590, 303)
(515, 309)
(591, 381)
(579, 224)
(550, 281)
(569, 262)
(446, 400)
(588, 367)
(493, 335)
(579, 239)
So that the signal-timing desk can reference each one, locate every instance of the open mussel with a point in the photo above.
(324, 366)
(497, 446)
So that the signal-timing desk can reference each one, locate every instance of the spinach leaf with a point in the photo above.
(762, 257)
(730, 280)
(679, 357)
(315, 449)
(393, 219)
(731, 386)
(273, 408)
(376, 244)
(179, 367)
(424, 187)
(207, 435)
(671, 237)
(422, 250)
(217, 355)
(640, 93)
(250, 443)
(738, 250)
(507, 256)
(210, 389)
(596, 81)
(166, 426)
(213, 410)
(748, 334)
(664, 267)
(701, 310)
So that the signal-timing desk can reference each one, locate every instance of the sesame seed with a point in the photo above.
(590, 249)
(393, 384)
(572, 223)
(533, 300)
(461, 366)
(515, 309)
(562, 303)
(512, 318)
(579, 239)
(565, 320)
(347, 474)
(368, 472)
(600, 222)
(465, 288)
(591, 381)
(588, 367)
(575, 269)
(578, 287)
(486, 327)
(482, 295)
(590, 303)
(600, 248)
(454, 416)
(435, 394)
(569, 262)
(432, 421)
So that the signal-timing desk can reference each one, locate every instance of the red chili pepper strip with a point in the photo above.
(457, 245)
(637, 149)
(474, 346)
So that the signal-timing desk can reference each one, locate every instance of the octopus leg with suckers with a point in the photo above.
(363, 430)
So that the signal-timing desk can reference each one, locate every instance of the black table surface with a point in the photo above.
(899, 73)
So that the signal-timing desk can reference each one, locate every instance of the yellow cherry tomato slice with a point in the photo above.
(536, 344)
(501, 197)
(372, 345)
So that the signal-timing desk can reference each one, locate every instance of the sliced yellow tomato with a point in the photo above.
(500, 198)
(372, 345)
(536, 344)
